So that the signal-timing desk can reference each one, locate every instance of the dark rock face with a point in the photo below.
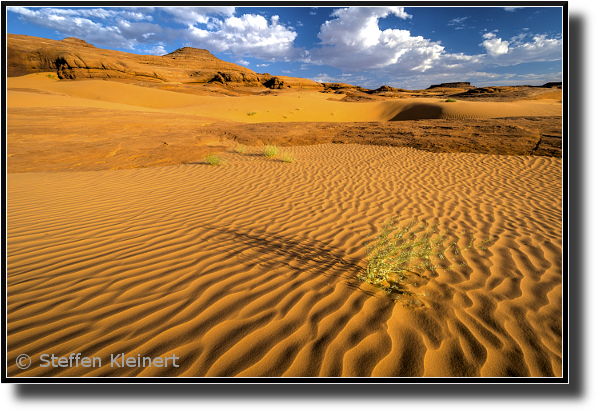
(276, 83)
(452, 85)
(552, 85)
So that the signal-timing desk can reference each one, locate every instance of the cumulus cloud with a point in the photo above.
(242, 62)
(192, 15)
(515, 51)
(215, 28)
(250, 34)
(494, 45)
(97, 26)
(157, 50)
(354, 42)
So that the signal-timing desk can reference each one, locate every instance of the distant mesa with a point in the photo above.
(452, 85)
(552, 85)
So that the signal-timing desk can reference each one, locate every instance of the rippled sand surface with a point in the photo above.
(249, 269)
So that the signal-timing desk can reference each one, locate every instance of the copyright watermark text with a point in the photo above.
(117, 361)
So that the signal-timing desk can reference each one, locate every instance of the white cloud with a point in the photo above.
(494, 45)
(515, 51)
(262, 65)
(250, 34)
(511, 9)
(192, 15)
(158, 50)
(112, 29)
(354, 42)
(458, 22)
(242, 62)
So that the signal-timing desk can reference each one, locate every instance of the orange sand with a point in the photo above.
(248, 269)
(286, 106)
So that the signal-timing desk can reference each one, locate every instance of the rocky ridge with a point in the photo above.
(73, 58)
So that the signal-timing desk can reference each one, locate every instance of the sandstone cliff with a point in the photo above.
(73, 58)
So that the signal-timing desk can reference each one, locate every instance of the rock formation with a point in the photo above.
(73, 58)
(452, 85)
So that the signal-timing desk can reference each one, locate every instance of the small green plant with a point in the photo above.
(241, 149)
(214, 159)
(451, 100)
(49, 76)
(287, 157)
(252, 113)
(399, 256)
(271, 151)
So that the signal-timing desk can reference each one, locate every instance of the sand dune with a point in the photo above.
(249, 269)
(280, 107)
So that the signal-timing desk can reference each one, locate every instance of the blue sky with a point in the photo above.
(404, 47)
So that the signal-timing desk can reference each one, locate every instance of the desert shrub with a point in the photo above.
(215, 159)
(451, 100)
(287, 157)
(252, 113)
(271, 151)
(400, 256)
(241, 149)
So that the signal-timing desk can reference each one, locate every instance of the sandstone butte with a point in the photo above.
(73, 58)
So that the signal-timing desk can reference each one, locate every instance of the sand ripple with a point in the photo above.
(249, 269)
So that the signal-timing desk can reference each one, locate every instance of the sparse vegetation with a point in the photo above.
(252, 113)
(215, 159)
(287, 157)
(240, 149)
(451, 100)
(50, 76)
(271, 151)
(398, 257)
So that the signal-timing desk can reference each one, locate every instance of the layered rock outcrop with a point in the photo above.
(73, 58)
